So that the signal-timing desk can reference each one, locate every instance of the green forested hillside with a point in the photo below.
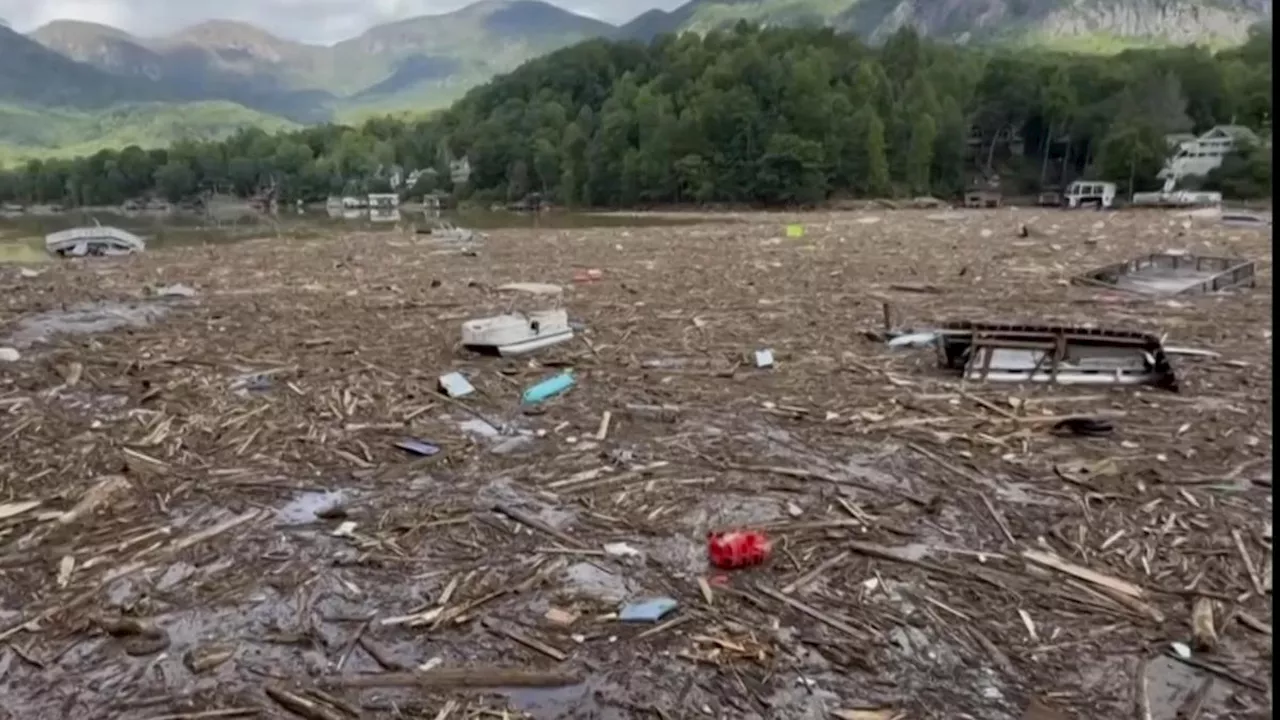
(765, 116)
(65, 133)
(427, 62)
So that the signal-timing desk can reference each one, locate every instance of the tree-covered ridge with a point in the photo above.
(746, 115)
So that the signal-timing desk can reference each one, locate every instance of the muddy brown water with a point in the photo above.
(22, 236)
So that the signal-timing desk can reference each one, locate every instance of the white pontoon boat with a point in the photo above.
(517, 333)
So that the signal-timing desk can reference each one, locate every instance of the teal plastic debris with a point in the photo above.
(648, 610)
(548, 388)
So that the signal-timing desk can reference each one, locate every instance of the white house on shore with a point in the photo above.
(1198, 156)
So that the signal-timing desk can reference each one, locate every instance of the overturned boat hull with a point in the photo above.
(79, 242)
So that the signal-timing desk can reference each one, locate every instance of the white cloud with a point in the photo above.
(323, 21)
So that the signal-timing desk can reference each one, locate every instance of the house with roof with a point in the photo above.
(1198, 156)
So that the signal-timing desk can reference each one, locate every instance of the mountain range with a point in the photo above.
(426, 62)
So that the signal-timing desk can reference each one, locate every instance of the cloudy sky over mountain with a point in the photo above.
(306, 20)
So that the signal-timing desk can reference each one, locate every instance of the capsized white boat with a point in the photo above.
(444, 231)
(96, 240)
(516, 333)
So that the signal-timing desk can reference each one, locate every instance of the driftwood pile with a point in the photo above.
(205, 514)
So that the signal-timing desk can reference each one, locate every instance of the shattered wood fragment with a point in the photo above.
(211, 714)
(525, 639)
(868, 714)
(1052, 561)
(816, 614)
(563, 618)
(1203, 631)
(1253, 623)
(95, 497)
(457, 678)
(534, 523)
(821, 569)
(1248, 562)
(8, 510)
(301, 706)
(202, 659)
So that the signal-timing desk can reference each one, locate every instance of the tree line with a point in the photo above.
(770, 116)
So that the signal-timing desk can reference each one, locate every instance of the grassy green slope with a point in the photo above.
(27, 132)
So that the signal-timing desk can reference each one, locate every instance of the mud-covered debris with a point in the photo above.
(1039, 710)
(178, 290)
(1084, 427)
(474, 677)
(868, 714)
(347, 343)
(620, 549)
(589, 580)
(562, 618)
(207, 657)
(418, 447)
(99, 494)
(304, 707)
(309, 507)
(139, 637)
(1203, 630)
(14, 509)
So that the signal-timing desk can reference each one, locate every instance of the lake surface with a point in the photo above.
(22, 237)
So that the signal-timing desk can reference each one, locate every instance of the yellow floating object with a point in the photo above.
(795, 231)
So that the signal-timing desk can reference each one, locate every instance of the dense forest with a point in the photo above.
(773, 116)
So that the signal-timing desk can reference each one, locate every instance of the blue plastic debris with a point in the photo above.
(455, 385)
(549, 388)
(648, 610)
(418, 447)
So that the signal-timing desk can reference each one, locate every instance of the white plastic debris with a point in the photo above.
(764, 358)
(9, 355)
(455, 385)
(1183, 650)
(621, 550)
(178, 290)
(915, 340)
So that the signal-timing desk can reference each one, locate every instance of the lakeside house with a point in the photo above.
(1201, 155)
(460, 171)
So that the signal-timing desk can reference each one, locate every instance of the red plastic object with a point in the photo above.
(737, 548)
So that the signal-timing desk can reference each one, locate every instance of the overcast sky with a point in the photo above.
(317, 21)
